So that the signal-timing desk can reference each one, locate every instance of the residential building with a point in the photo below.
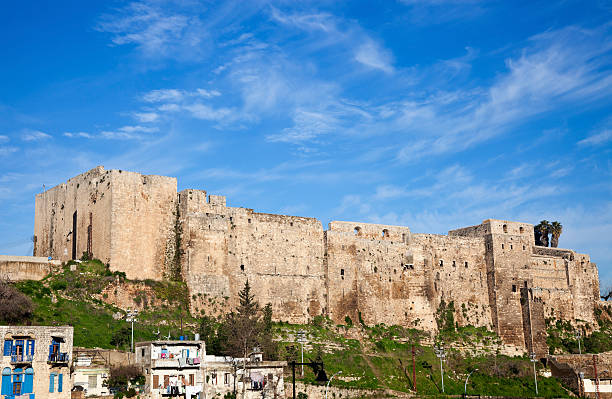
(172, 368)
(588, 375)
(35, 362)
(91, 368)
(262, 379)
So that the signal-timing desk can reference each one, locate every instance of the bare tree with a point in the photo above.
(606, 291)
(15, 307)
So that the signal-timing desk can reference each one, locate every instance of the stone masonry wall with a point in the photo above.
(280, 256)
(55, 219)
(131, 218)
(143, 218)
(369, 272)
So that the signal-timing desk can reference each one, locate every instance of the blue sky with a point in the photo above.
(434, 114)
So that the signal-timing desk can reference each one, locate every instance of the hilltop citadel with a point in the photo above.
(493, 273)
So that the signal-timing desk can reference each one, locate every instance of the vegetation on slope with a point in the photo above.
(562, 335)
(370, 357)
(67, 298)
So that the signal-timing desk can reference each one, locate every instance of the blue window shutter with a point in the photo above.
(51, 382)
(7, 386)
(30, 349)
(8, 347)
(60, 380)
(28, 385)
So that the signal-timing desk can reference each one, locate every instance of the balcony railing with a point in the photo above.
(21, 359)
(60, 357)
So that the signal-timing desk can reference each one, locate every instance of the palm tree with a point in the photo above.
(541, 233)
(556, 229)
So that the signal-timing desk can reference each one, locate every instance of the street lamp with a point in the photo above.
(302, 339)
(131, 317)
(329, 382)
(466, 381)
(532, 357)
(440, 354)
(578, 334)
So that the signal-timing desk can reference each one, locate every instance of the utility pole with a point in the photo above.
(414, 371)
(578, 334)
(302, 339)
(131, 317)
(596, 377)
(532, 357)
(440, 354)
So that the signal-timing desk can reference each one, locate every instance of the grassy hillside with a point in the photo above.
(67, 298)
(370, 357)
(380, 357)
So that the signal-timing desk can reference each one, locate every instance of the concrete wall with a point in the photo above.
(17, 268)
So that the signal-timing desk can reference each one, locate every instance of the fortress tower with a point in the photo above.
(493, 273)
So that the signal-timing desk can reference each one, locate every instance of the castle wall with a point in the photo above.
(281, 256)
(55, 219)
(143, 220)
(131, 218)
(493, 273)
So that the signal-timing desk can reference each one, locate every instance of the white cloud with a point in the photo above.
(128, 132)
(208, 93)
(163, 95)
(34, 135)
(84, 135)
(3, 139)
(156, 31)
(597, 139)
(373, 56)
(4, 151)
(306, 126)
(307, 21)
(202, 111)
(146, 117)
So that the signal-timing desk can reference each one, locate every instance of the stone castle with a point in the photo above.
(493, 273)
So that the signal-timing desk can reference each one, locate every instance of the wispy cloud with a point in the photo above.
(373, 56)
(146, 117)
(83, 135)
(157, 31)
(34, 135)
(597, 139)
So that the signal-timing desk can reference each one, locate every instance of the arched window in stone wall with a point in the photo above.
(505, 228)
(385, 233)
(521, 229)
(357, 231)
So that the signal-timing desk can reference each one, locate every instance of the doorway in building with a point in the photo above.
(74, 235)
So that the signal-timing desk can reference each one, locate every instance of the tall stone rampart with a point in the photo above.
(493, 273)
(223, 247)
(122, 218)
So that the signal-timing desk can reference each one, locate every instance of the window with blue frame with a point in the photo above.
(60, 381)
(17, 381)
(8, 347)
(52, 382)
(30, 348)
(7, 387)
